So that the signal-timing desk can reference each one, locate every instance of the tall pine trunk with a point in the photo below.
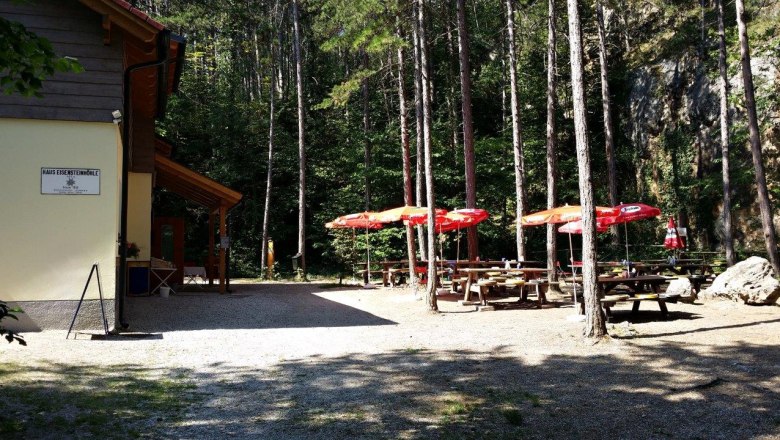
(301, 141)
(366, 130)
(728, 229)
(609, 142)
(595, 323)
(269, 174)
(430, 291)
(517, 135)
(552, 153)
(418, 111)
(468, 125)
(755, 141)
(405, 157)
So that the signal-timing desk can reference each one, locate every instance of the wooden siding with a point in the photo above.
(74, 30)
(142, 146)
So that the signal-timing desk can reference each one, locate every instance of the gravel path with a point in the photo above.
(289, 361)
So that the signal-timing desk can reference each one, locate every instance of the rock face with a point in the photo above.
(682, 287)
(751, 281)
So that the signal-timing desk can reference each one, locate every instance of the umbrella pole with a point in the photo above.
(625, 229)
(457, 255)
(368, 258)
(573, 272)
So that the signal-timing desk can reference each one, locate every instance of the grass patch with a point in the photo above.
(75, 402)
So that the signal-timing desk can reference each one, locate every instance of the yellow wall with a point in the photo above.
(48, 243)
(139, 212)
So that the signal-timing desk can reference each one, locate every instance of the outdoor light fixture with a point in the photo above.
(117, 116)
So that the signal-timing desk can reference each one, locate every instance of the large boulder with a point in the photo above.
(751, 281)
(681, 287)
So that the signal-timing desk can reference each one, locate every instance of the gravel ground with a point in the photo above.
(290, 361)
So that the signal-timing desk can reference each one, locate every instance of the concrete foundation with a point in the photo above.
(57, 315)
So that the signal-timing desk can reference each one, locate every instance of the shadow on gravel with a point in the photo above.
(708, 329)
(456, 395)
(730, 392)
(276, 305)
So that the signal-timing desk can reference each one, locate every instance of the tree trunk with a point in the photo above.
(755, 141)
(517, 139)
(452, 99)
(405, 158)
(418, 110)
(609, 142)
(468, 125)
(552, 154)
(301, 143)
(595, 324)
(728, 230)
(366, 128)
(268, 186)
(255, 79)
(430, 291)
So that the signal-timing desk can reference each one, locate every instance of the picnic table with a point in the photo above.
(518, 279)
(393, 270)
(636, 286)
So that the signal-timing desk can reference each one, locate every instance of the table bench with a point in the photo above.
(609, 301)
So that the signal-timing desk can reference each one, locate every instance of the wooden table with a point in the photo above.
(473, 274)
(685, 268)
(635, 285)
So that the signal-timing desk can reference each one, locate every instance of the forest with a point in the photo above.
(314, 103)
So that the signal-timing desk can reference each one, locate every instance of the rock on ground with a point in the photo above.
(752, 281)
(682, 287)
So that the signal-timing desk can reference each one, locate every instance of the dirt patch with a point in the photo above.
(298, 361)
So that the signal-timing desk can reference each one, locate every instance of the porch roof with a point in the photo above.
(191, 185)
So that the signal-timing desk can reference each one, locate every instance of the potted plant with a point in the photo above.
(133, 251)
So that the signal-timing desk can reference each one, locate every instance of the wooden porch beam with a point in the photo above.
(210, 258)
(222, 237)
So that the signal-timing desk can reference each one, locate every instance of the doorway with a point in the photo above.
(168, 243)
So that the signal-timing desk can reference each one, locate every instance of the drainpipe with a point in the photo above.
(163, 45)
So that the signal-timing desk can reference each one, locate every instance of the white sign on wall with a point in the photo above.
(70, 181)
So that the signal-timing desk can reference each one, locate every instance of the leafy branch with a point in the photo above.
(27, 59)
(10, 335)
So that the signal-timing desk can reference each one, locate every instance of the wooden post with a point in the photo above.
(210, 258)
(222, 234)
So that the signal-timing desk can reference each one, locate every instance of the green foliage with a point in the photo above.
(339, 95)
(219, 121)
(26, 60)
(9, 335)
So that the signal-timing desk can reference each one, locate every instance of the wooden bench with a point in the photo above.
(609, 301)
(365, 274)
(540, 289)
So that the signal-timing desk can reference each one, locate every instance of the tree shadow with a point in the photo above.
(649, 315)
(678, 390)
(707, 329)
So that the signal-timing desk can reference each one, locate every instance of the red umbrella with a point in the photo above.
(562, 214)
(362, 220)
(629, 212)
(461, 218)
(451, 221)
(576, 227)
(401, 213)
(673, 239)
(422, 218)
